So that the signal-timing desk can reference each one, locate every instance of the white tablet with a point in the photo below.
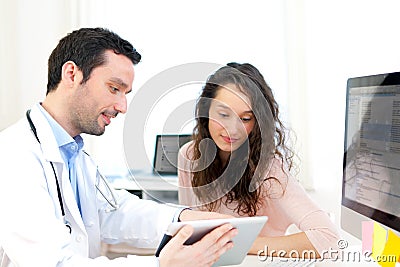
(249, 228)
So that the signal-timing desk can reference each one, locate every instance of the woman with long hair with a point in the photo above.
(239, 163)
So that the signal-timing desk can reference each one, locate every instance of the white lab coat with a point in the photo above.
(32, 230)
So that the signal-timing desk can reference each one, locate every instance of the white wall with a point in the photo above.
(29, 32)
(343, 39)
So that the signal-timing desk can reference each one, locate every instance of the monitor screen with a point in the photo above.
(166, 152)
(371, 162)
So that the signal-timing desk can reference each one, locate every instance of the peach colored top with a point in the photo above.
(294, 206)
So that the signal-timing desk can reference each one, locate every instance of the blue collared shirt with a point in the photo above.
(69, 148)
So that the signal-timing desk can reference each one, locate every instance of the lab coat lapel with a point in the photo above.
(70, 201)
(51, 153)
(86, 186)
(87, 179)
(48, 142)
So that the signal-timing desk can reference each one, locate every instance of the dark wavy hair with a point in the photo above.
(247, 168)
(86, 47)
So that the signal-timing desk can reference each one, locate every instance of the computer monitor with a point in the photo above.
(371, 162)
(166, 152)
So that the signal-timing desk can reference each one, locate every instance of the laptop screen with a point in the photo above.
(166, 152)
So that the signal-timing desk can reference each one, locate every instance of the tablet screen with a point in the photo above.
(248, 230)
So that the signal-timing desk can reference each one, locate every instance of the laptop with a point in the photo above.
(166, 152)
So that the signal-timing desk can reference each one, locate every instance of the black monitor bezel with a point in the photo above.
(390, 220)
(158, 141)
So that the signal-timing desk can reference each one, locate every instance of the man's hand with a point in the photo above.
(202, 253)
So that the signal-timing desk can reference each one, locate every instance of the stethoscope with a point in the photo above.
(113, 202)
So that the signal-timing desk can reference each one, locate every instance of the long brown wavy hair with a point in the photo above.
(239, 180)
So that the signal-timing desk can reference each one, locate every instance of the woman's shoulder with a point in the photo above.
(185, 156)
(277, 169)
(279, 180)
(276, 178)
(187, 150)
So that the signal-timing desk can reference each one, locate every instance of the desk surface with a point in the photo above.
(119, 250)
(144, 180)
(253, 261)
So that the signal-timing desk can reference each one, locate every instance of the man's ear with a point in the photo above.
(70, 74)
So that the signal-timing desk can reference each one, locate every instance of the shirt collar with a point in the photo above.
(68, 145)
